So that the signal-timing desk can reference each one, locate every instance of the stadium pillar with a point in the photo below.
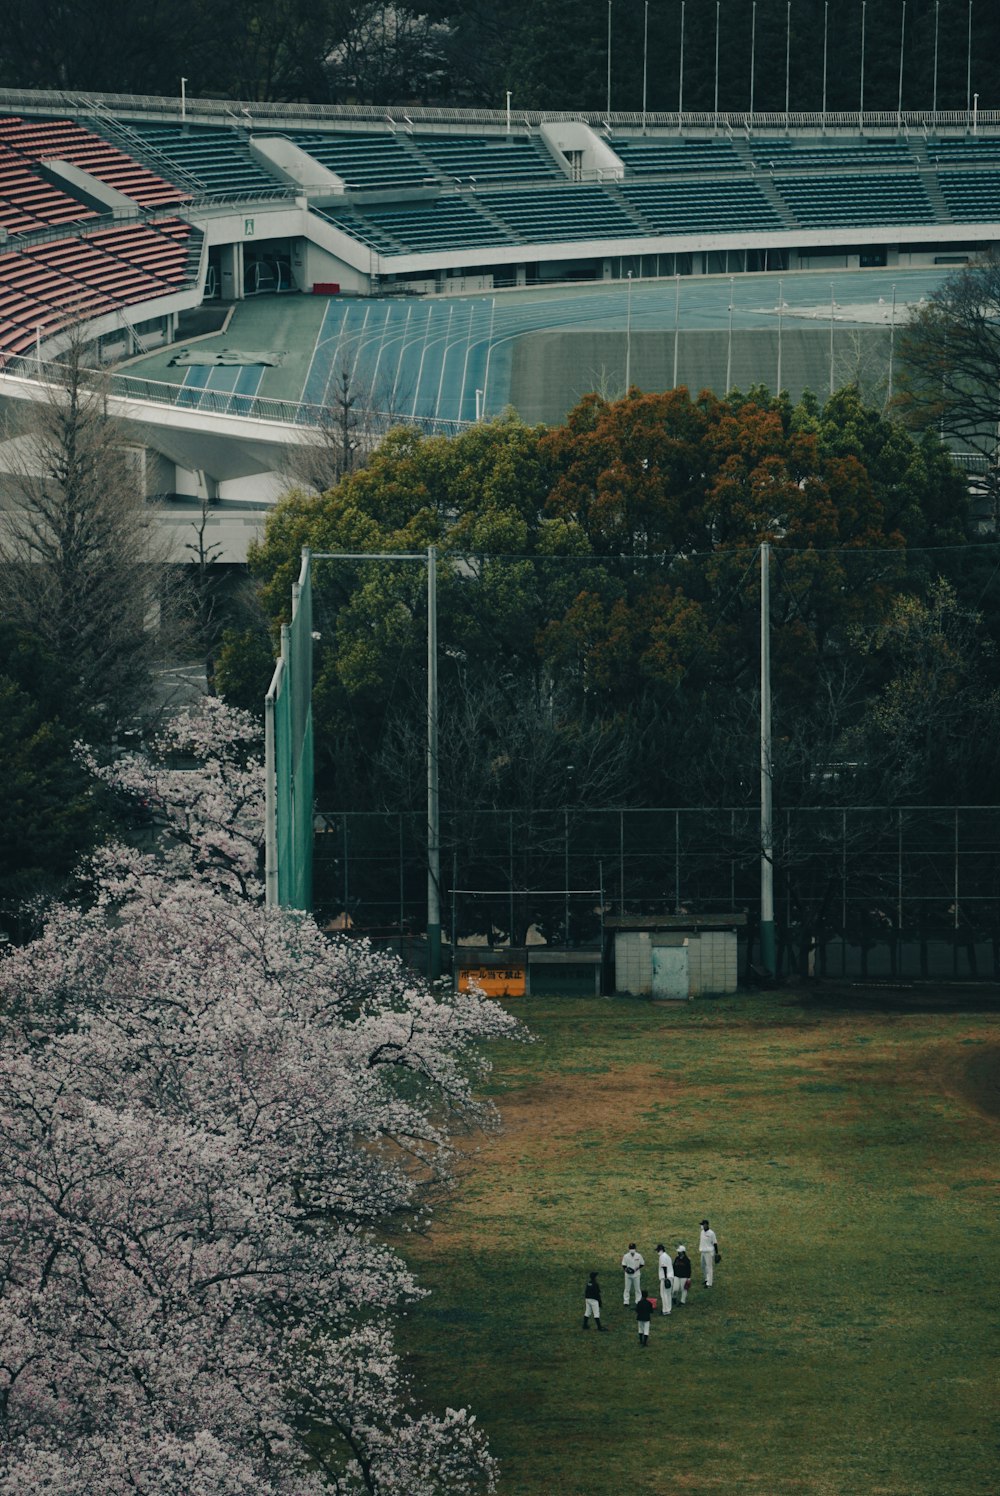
(433, 812)
(767, 943)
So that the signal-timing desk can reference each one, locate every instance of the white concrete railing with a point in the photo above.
(46, 374)
(247, 113)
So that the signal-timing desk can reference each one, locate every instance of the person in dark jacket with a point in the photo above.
(644, 1313)
(682, 1275)
(592, 1303)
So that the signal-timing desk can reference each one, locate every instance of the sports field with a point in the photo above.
(847, 1157)
(444, 360)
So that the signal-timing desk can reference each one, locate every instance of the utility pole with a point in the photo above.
(767, 943)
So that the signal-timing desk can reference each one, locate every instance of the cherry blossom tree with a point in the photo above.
(211, 1117)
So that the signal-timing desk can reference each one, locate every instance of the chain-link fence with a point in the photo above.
(872, 891)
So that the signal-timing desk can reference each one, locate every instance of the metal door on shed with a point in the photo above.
(670, 971)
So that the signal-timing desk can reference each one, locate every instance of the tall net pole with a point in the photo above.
(288, 758)
(433, 807)
(767, 942)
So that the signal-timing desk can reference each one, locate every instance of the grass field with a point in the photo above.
(847, 1160)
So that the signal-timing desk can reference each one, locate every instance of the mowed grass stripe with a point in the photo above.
(850, 1343)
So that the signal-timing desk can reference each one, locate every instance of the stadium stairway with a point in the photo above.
(764, 181)
(929, 176)
(488, 212)
(644, 229)
(133, 144)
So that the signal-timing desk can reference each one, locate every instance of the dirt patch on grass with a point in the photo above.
(592, 1102)
(974, 1077)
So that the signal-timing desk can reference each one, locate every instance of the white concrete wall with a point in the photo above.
(712, 963)
(633, 962)
(290, 163)
(321, 265)
(596, 156)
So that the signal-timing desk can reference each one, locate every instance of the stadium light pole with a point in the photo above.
(861, 101)
(780, 310)
(677, 319)
(832, 307)
(680, 77)
(183, 98)
(968, 67)
(788, 57)
(716, 108)
(609, 60)
(753, 56)
(628, 335)
(826, 32)
(508, 111)
(729, 343)
(937, 23)
(767, 944)
(902, 48)
(645, 55)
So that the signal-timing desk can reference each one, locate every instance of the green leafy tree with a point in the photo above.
(950, 369)
(612, 561)
(53, 812)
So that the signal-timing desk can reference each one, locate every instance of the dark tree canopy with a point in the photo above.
(552, 55)
(950, 368)
(600, 581)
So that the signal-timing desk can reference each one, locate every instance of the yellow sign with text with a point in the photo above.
(495, 981)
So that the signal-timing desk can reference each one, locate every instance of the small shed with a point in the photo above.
(674, 956)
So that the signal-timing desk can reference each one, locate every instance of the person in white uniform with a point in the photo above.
(632, 1261)
(708, 1246)
(666, 1271)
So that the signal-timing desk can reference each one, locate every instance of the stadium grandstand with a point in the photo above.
(231, 262)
